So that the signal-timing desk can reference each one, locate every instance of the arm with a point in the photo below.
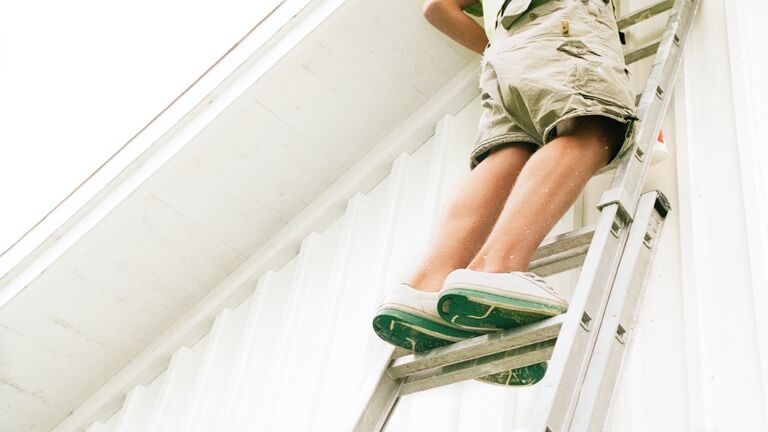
(448, 17)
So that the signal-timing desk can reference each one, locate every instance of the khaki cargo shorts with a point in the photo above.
(550, 62)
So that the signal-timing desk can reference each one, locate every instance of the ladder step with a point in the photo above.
(499, 362)
(490, 353)
(644, 13)
(639, 16)
(562, 252)
(644, 51)
(483, 355)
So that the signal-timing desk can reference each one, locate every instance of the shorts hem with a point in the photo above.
(486, 145)
(629, 121)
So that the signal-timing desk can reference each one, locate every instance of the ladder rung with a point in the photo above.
(645, 13)
(481, 346)
(642, 52)
(499, 362)
(562, 252)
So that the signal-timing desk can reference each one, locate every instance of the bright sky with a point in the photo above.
(79, 78)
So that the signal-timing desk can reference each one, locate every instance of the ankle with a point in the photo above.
(495, 264)
(491, 268)
(428, 283)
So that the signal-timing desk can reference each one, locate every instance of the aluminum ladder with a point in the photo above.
(585, 346)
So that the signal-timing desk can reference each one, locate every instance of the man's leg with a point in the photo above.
(470, 215)
(545, 189)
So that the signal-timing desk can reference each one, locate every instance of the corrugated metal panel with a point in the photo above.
(296, 354)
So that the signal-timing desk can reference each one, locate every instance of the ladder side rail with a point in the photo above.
(590, 411)
(567, 366)
(632, 170)
(560, 389)
(380, 402)
(616, 330)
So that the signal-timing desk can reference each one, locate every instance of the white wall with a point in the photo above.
(723, 209)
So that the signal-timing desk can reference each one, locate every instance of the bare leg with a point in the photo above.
(547, 186)
(470, 215)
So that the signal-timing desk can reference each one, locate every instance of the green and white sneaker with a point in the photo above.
(481, 301)
(408, 318)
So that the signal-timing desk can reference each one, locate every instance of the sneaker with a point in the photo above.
(408, 318)
(481, 301)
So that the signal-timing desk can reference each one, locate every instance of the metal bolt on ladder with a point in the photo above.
(585, 346)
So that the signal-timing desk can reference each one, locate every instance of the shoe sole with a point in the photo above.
(481, 310)
(416, 333)
(520, 377)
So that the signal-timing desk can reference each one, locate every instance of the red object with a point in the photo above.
(661, 136)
